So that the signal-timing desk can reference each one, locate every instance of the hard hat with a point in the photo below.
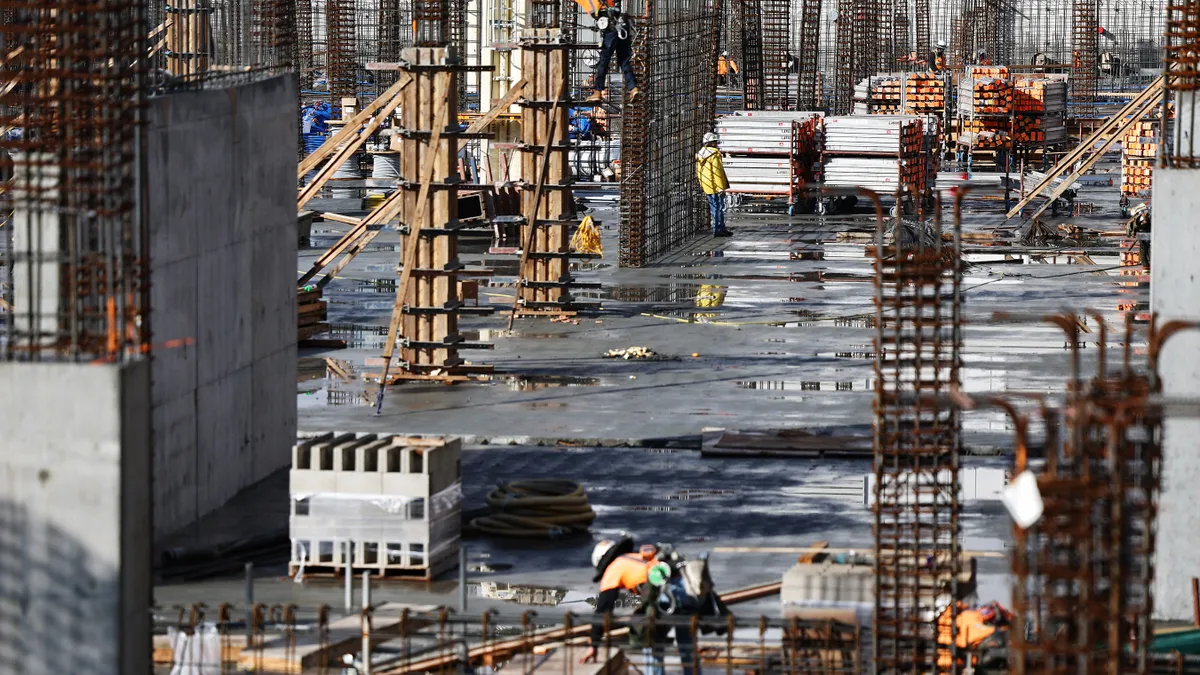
(725, 53)
(710, 137)
(600, 549)
(941, 44)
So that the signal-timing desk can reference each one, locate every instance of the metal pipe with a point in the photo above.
(366, 590)
(349, 595)
(249, 570)
(462, 579)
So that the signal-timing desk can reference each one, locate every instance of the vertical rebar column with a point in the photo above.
(340, 51)
(924, 42)
(1085, 15)
(74, 86)
(1181, 43)
(809, 52)
(843, 95)
(750, 12)
(775, 21)
(885, 51)
(432, 21)
(304, 43)
(901, 43)
(678, 46)
(917, 444)
(865, 39)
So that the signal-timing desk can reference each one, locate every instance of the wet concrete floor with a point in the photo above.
(769, 329)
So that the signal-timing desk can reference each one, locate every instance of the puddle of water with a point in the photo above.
(687, 494)
(867, 355)
(358, 336)
(334, 396)
(540, 382)
(546, 596)
(656, 509)
(784, 385)
(381, 285)
(310, 368)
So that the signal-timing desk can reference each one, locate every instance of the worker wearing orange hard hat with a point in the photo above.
(616, 37)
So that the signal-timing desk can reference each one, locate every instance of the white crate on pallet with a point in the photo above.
(396, 500)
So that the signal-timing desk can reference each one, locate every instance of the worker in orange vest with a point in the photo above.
(619, 567)
(616, 33)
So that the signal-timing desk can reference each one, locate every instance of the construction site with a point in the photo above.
(590, 337)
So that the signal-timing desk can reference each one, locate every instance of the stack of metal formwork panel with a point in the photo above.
(762, 150)
(879, 95)
(878, 152)
(393, 502)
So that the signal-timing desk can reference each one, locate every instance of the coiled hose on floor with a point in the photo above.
(544, 507)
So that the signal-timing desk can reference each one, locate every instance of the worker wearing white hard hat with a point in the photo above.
(710, 171)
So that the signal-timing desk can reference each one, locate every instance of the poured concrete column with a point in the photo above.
(75, 515)
(1175, 295)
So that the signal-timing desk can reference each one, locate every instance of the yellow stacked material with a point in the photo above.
(985, 133)
(1137, 175)
(924, 93)
(1139, 146)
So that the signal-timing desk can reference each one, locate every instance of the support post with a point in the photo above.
(349, 579)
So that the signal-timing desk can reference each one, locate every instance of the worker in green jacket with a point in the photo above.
(710, 171)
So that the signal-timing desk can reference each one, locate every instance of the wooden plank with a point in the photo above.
(331, 144)
(352, 145)
(339, 218)
(499, 108)
(440, 119)
(537, 196)
(1110, 126)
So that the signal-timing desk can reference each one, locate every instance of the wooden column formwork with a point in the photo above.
(429, 341)
(548, 212)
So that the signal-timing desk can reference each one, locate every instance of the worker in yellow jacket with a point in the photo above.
(710, 171)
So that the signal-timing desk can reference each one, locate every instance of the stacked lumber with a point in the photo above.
(924, 93)
(311, 312)
(1139, 147)
(985, 96)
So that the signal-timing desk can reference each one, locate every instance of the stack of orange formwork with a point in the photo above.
(985, 108)
(1040, 104)
(1139, 146)
(879, 95)
(924, 94)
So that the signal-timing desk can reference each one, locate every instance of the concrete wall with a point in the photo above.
(75, 519)
(222, 201)
(1175, 294)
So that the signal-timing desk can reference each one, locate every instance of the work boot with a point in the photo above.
(634, 94)
(596, 97)
(723, 233)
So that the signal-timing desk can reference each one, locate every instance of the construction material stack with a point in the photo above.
(924, 94)
(881, 153)
(1139, 147)
(770, 154)
(390, 505)
(1040, 104)
(311, 312)
(985, 112)
(879, 95)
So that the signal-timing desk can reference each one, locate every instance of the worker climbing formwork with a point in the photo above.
(616, 31)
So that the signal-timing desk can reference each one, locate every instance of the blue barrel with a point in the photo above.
(312, 141)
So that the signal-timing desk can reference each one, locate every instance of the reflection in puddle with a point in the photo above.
(359, 336)
(687, 494)
(539, 382)
(783, 385)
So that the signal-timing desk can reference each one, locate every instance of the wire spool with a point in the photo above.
(384, 166)
(312, 142)
(546, 507)
(348, 169)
